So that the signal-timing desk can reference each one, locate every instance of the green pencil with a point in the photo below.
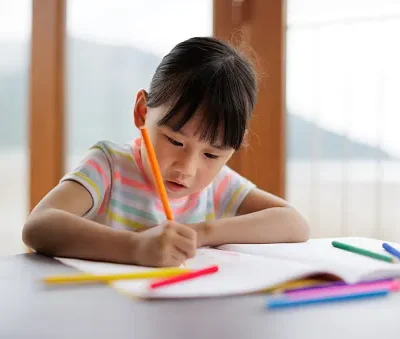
(362, 251)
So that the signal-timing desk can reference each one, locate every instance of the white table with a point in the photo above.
(30, 310)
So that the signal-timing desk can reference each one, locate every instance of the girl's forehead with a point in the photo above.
(191, 128)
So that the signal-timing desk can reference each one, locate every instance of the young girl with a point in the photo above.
(197, 112)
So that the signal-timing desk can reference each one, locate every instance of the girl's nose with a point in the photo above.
(186, 166)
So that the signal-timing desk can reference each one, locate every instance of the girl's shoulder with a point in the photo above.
(116, 153)
(112, 149)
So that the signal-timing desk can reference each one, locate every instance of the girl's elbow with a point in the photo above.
(32, 233)
(29, 233)
(301, 231)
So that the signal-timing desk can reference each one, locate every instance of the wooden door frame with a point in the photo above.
(263, 23)
(46, 112)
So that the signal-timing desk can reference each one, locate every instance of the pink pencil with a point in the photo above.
(184, 276)
(346, 289)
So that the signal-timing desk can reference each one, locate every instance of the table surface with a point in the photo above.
(32, 310)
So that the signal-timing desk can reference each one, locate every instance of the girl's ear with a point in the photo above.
(140, 109)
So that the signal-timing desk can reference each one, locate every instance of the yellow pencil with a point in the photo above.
(90, 278)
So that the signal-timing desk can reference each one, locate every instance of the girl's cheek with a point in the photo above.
(210, 170)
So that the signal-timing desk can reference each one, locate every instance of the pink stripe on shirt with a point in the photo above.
(221, 190)
(130, 182)
(99, 169)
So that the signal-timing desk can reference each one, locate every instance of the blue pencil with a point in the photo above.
(287, 302)
(391, 250)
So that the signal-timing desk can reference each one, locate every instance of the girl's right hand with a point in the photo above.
(168, 244)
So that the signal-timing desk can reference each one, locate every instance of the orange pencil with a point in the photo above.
(156, 173)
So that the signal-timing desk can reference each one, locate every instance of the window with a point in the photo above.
(15, 23)
(343, 114)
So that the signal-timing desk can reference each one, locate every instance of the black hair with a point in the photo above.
(209, 77)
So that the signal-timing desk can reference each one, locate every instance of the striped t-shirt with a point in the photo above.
(123, 197)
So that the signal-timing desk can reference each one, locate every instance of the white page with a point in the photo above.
(238, 274)
(320, 253)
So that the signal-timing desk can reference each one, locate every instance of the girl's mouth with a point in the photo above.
(174, 186)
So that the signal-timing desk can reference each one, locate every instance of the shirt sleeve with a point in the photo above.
(229, 191)
(93, 173)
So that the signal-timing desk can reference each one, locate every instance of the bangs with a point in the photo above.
(217, 100)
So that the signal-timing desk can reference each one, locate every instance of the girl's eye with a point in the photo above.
(211, 156)
(174, 142)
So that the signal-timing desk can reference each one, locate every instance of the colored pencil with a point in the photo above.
(362, 251)
(276, 303)
(156, 173)
(87, 278)
(390, 249)
(326, 284)
(346, 289)
(184, 277)
(294, 285)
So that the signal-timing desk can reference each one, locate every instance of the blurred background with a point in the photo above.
(340, 115)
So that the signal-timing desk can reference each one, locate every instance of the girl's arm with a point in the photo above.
(261, 218)
(55, 227)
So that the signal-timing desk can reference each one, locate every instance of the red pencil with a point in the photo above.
(184, 276)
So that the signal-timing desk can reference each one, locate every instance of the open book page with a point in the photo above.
(238, 274)
(320, 254)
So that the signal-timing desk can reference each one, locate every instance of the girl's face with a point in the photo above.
(187, 164)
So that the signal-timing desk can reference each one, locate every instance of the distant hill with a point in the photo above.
(102, 82)
(302, 133)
